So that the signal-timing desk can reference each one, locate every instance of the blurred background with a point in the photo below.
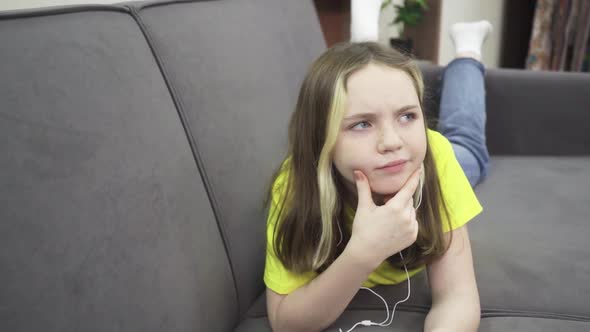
(528, 34)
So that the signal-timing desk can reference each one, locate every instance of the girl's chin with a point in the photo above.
(384, 191)
(380, 199)
(387, 189)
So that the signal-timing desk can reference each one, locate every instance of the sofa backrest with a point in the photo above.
(137, 141)
(235, 68)
(541, 113)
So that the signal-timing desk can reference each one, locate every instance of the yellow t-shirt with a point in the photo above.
(457, 192)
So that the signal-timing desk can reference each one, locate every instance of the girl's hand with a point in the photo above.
(381, 231)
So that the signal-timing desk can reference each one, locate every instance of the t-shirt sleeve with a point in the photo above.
(460, 199)
(276, 276)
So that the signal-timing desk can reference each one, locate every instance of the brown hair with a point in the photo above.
(314, 195)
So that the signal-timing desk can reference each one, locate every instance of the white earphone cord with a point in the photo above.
(385, 322)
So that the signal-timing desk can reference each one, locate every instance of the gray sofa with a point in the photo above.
(137, 141)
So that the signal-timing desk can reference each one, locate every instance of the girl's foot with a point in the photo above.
(469, 37)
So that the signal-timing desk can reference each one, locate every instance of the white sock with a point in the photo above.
(470, 36)
(364, 20)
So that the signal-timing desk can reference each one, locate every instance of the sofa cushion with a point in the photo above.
(538, 112)
(402, 321)
(408, 321)
(236, 85)
(530, 242)
(531, 324)
(104, 222)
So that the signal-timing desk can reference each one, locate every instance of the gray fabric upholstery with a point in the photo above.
(538, 113)
(529, 324)
(137, 142)
(413, 322)
(529, 112)
(406, 321)
(237, 84)
(104, 221)
(530, 242)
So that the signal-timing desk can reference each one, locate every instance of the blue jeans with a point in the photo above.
(462, 116)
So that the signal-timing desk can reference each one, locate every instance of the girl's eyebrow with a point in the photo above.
(369, 115)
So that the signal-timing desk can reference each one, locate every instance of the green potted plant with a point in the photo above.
(408, 14)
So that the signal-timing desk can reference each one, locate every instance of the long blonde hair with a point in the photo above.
(312, 209)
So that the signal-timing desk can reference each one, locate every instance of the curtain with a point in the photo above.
(560, 36)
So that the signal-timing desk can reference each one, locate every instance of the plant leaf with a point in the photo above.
(385, 3)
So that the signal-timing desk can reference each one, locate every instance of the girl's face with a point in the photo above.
(383, 125)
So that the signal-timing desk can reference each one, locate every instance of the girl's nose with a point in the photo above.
(389, 140)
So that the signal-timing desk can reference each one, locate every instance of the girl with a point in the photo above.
(369, 195)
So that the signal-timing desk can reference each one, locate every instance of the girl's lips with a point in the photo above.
(394, 163)
(395, 167)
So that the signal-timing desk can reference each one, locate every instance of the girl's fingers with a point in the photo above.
(407, 191)
(363, 188)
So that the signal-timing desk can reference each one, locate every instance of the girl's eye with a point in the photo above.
(409, 116)
(360, 125)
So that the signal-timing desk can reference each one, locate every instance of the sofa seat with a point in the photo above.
(529, 276)
(403, 321)
(528, 256)
(411, 321)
